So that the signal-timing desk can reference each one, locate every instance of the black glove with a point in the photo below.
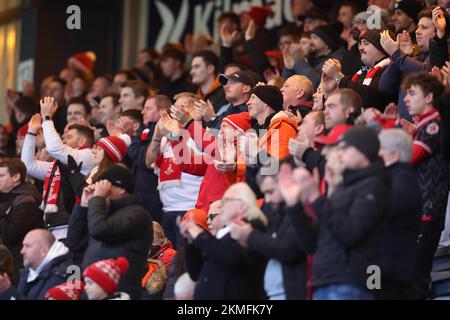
(74, 176)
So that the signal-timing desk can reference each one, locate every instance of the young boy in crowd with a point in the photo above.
(101, 279)
(422, 91)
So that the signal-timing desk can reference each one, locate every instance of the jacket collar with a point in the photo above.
(427, 117)
(124, 202)
(214, 87)
(376, 168)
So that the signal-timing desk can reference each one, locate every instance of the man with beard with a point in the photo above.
(431, 35)
(365, 81)
(325, 44)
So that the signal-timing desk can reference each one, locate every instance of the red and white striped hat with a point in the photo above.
(107, 273)
(114, 147)
(239, 121)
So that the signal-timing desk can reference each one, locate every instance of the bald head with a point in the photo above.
(36, 245)
(41, 235)
(296, 89)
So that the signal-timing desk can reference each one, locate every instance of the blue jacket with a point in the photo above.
(145, 180)
(53, 274)
(401, 65)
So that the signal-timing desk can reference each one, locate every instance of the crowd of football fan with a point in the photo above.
(276, 164)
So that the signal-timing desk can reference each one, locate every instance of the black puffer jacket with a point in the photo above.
(122, 229)
(19, 214)
(350, 227)
(228, 271)
(282, 244)
(402, 225)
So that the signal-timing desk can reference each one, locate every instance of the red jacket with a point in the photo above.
(214, 183)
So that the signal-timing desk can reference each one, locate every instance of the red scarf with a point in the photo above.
(169, 171)
(372, 72)
(51, 190)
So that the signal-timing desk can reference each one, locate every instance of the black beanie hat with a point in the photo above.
(410, 7)
(364, 139)
(374, 36)
(119, 176)
(270, 95)
(330, 34)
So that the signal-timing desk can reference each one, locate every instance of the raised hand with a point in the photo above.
(297, 147)
(35, 123)
(102, 188)
(289, 188)
(127, 125)
(370, 114)
(331, 68)
(328, 84)
(296, 51)
(251, 30)
(446, 73)
(439, 22)
(408, 126)
(391, 111)
(388, 44)
(288, 58)
(295, 117)
(309, 184)
(48, 106)
(5, 282)
(205, 110)
(405, 43)
(167, 125)
(227, 37)
(240, 232)
(88, 193)
(181, 114)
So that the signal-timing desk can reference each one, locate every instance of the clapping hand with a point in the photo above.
(48, 106)
(388, 44)
(205, 110)
(439, 22)
(227, 37)
(35, 123)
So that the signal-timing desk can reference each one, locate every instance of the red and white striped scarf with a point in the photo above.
(372, 71)
(50, 203)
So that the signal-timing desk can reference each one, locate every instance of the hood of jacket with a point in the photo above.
(58, 249)
(27, 188)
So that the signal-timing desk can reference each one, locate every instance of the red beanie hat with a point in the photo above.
(199, 216)
(84, 60)
(239, 121)
(259, 14)
(66, 291)
(107, 273)
(114, 147)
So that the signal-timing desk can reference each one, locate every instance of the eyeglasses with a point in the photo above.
(212, 216)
